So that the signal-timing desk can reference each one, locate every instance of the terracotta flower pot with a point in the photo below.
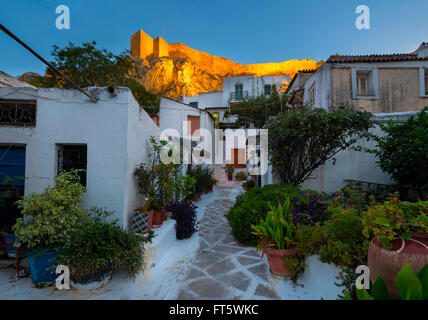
(230, 178)
(197, 197)
(254, 178)
(158, 218)
(278, 266)
(387, 263)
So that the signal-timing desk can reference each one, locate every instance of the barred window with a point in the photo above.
(73, 157)
(19, 113)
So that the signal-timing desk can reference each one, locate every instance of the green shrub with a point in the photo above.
(156, 180)
(339, 240)
(403, 151)
(394, 219)
(99, 244)
(252, 206)
(301, 140)
(240, 176)
(248, 185)
(204, 178)
(55, 214)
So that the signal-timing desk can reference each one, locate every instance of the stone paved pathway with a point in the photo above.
(223, 269)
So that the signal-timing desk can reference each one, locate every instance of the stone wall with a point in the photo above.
(399, 91)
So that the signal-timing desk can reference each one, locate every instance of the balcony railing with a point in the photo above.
(238, 96)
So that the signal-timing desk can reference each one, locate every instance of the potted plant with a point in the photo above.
(187, 187)
(229, 169)
(276, 239)
(241, 176)
(98, 247)
(184, 214)
(55, 214)
(248, 185)
(204, 180)
(211, 183)
(399, 236)
(156, 181)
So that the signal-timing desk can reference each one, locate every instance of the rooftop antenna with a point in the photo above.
(10, 34)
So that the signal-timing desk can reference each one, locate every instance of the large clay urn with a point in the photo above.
(387, 263)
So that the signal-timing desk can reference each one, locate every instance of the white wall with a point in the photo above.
(110, 129)
(205, 100)
(172, 115)
(140, 128)
(321, 82)
(253, 85)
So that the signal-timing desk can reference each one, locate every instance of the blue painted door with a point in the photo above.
(12, 179)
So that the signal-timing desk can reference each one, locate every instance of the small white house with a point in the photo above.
(235, 90)
(57, 129)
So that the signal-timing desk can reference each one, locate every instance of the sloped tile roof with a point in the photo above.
(375, 58)
(6, 80)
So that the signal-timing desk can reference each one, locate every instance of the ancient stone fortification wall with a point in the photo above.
(143, 46)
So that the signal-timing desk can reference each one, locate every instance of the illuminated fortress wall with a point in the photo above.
(144, 47)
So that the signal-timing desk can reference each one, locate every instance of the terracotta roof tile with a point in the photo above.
(375, 58)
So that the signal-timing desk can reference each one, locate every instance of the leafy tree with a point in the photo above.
(301, 140)
(403, 151)
(88, 66)
(259, 109)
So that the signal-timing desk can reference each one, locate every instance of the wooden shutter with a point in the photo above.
(194, 124)
(239, 154)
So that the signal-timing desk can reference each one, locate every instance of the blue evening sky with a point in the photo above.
(245, 31)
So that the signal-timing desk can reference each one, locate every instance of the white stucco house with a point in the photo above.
(234, 90)
(55, 129)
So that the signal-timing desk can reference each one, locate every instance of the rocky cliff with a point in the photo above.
(173, 77)
(174, 69)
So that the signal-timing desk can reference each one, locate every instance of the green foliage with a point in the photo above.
(257, 110)
(240, 176)
(403, 151)
(87, 66)
(158, 181)
(249, 184)
(339, 240)
(395, 219)
(229, 169)
(252, 206)
(55, 214)
(353, 198)
(188, 186)
(410, 286)
(276, 230)
(99, 244)
(204, 178)
(301, 140)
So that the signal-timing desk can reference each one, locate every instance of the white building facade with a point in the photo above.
(108, 138)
